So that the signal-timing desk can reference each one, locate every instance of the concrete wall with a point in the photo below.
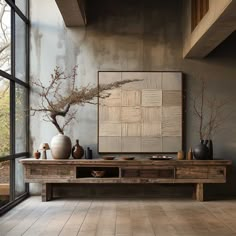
(128, 35)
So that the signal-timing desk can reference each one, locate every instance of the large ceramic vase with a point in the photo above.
(201, 151)
(61, 147)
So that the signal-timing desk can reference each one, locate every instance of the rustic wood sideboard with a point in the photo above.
(49, 172)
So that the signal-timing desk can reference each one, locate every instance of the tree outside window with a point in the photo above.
(5, 65)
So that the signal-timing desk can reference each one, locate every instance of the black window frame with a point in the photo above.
(12, 157)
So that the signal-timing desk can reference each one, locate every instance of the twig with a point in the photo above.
(211, 121)
(55, 103)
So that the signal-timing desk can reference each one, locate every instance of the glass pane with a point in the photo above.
(21, 4)
(20, 49)
(4, 182)
(21, 115)
(4, 117)
(5, 37)
(19, 178)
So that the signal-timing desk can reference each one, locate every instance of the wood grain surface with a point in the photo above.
(49, 172)
(120, 217)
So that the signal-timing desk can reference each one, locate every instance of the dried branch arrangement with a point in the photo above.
(56, 103)
(210, 113)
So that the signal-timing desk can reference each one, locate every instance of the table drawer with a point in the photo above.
(218, 172)
(49, 172)
(161, 173)
(192, 172)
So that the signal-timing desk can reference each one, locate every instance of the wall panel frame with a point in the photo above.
(144, 116)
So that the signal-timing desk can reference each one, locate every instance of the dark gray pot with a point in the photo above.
(201, 151)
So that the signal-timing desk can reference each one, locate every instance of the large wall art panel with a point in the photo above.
(144, 116)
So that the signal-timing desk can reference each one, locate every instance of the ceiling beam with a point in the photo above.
(202, 42)
(73, 12)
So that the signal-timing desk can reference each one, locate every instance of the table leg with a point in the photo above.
(199, 192)
(46, 192)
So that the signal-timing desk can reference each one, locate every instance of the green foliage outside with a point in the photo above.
(5, 39)
(4, 120)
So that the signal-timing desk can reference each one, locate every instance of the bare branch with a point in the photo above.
(209, 111)
(55, 103)
(4, 47)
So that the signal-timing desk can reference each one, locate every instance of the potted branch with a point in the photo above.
(211, 116)
(55, 102)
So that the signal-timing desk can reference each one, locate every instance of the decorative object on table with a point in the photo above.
(77, 151)
(190, 154)
(108, 157)
(61, 147)
(37, 154)
(141, 117)
(89, 153)
(44, 147)
(201, 151)
(55, 102)
(160, 158)
(127, 158)
(210, 112)
(98, 173)
(210, 147)
(180, 155)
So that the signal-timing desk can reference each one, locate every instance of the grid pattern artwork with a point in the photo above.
(142, 116)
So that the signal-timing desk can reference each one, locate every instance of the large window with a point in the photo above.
(14, 95)
(4, 116)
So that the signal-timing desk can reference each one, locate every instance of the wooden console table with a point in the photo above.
(48, 172)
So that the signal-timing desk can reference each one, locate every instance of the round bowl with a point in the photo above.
(98, 173)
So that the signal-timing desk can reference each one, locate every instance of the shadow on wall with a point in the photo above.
(219, 70)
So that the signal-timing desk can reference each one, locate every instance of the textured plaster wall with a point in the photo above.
(129, 35)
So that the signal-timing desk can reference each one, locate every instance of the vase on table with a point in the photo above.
(180, 155)
(89, 153)
(210, 146)
(190, 154)
(77, 150)
(201, 151)
(61, 147)
(37, 154)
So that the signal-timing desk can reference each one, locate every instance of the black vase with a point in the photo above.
(210, 146)
(201, 151)
(89, 154)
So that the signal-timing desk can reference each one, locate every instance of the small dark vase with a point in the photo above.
(89, 153)
(77, 151)
(210, 146)
(201, 151)
(37, 154)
